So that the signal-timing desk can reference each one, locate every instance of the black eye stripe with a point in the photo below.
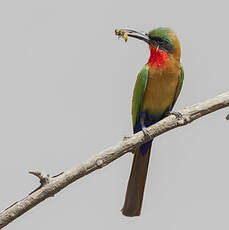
(157, 39)
(163, 44)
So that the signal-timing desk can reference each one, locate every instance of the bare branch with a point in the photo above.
(44, 178)
(51, 185)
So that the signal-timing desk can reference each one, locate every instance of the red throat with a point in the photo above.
(157, 57)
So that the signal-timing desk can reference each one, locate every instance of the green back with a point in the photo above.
(138, 94)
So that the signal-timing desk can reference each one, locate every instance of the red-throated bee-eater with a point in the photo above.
(156, 90)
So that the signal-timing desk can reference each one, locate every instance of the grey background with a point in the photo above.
(65, 94)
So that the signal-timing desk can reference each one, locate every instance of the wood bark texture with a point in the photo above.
(49, 186)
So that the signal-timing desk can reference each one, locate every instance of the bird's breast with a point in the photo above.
(160, 90)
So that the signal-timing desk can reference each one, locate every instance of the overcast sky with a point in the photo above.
(66, 85)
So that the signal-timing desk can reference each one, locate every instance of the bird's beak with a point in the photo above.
(141, 35)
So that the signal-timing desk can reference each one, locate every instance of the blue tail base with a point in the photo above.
(148, 121)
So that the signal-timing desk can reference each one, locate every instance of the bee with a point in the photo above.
(122, 33)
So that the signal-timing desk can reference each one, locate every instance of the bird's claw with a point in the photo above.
(178, 115)
(181, 119)
(146, 132)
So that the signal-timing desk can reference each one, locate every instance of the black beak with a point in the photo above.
(141, 35)
(155, 41)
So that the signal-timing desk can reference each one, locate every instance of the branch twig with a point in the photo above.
(51, 185)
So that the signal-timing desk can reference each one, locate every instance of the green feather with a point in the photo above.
(179, 85)
(162, 32)
(138, 94)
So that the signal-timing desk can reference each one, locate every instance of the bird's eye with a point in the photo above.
(163, 43)
(159, 40)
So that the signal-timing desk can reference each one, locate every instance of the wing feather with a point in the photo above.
(179, 86)
(138, 94)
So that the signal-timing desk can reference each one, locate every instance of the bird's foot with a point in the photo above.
(181, 119)
(145, 131)
(178, 115)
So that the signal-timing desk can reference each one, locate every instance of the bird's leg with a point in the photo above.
(181, 119)
(178, 115)
(144, 128)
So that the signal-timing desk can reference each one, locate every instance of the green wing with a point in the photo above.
(138, 94)
(179, 86)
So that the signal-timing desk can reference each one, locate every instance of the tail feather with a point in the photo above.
(135, 189)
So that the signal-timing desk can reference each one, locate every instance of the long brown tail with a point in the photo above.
(135, 189)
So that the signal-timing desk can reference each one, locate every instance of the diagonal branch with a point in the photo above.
(51, 185)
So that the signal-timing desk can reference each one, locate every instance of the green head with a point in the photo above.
(162, 38)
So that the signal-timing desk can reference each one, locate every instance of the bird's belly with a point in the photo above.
(160, 92)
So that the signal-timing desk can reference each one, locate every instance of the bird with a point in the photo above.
(156, 90)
